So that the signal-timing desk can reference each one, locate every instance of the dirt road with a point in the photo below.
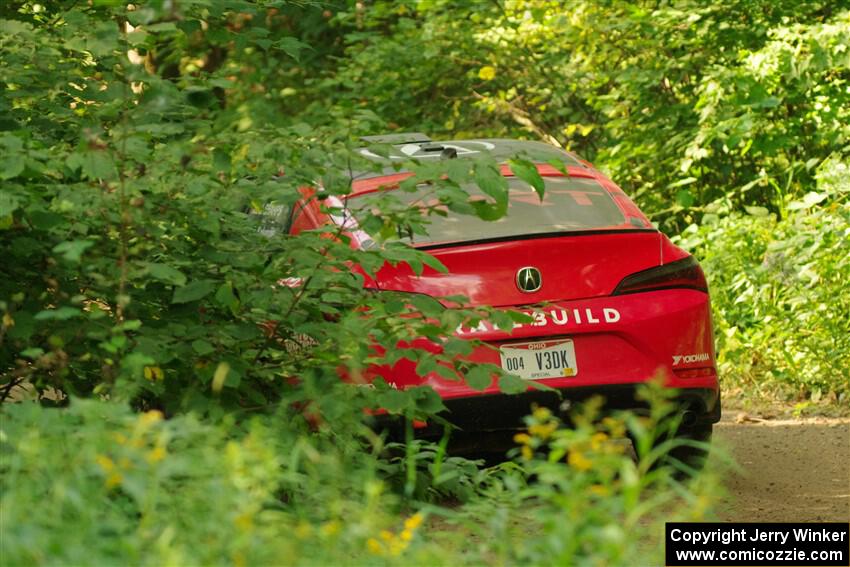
(790, 470)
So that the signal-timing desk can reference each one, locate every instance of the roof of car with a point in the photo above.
(419, 146)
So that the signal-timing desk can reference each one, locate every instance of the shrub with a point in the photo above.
(780, 292)
(96, 483)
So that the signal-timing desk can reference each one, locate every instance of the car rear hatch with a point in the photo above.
(580, 238)
(571, 267)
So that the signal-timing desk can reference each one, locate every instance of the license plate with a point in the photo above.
(542, 359)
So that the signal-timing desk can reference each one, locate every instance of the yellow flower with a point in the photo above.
(113, 480)
(701, 505)
(397, 546)
(598, 439)
(8, 321)
(406, 535)
(414, 521)
(105, 463)
(155, 455)
(600, 490)
(523, 438)
(579, 462)
(527, 453)
(387, 535)
(119, 438)
(487, 73)
(330, 528)
(303, 530)
(541, 413)
(374, 546)
(244, 521)
(614, 426)
(150, 417)
(154, 373)
(543, 430)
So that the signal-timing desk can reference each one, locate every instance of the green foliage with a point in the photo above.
(682, 103)
(781, 293)
(141, 147)
(578, 498)
(135, 169)
(96, 483)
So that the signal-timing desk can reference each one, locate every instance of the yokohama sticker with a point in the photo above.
(690, 358)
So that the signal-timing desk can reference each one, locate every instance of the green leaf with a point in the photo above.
(166, 273)
(13, 27)
(434, 263)
(426, 305)
(291, 47)
(60, 314)
(226, 298)
(8, 203)
(489, 211)
(559, 165)
(95, 164)
(32, 352)
(682, 182)
(202, 347)
(479, 377)
(519, 316)
(810, 199)
(527, 171)
(428, 402)
(394, 401)
(221, 160)
(162, 27)
(502, 320)
(193, 292)
(492, 183)
(757, 211)
(510, 384)
(427, 365)
(72, 250)
(685, 198)
(129, 325)
(11, 166)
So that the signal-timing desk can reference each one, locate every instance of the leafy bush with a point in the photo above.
(681, 103)
(96, 483)
(128, 218)
(780, 292)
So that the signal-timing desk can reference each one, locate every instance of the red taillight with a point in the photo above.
(684, 273)
(695, 372)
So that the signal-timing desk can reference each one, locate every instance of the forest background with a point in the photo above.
(134, 138)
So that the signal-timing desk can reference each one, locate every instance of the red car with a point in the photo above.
(615, 303)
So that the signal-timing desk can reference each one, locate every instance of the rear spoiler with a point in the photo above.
(392, 139)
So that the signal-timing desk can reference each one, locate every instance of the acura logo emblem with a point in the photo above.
(528, 279)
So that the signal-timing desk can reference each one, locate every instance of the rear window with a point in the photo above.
(570, 204)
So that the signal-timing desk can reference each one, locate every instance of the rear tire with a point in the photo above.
(689, 449)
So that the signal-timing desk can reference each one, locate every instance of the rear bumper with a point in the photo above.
(477, 415)
(618, 341)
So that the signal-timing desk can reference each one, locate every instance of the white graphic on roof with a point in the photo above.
(416, 150)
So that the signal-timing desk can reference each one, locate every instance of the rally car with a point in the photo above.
(614, 302)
